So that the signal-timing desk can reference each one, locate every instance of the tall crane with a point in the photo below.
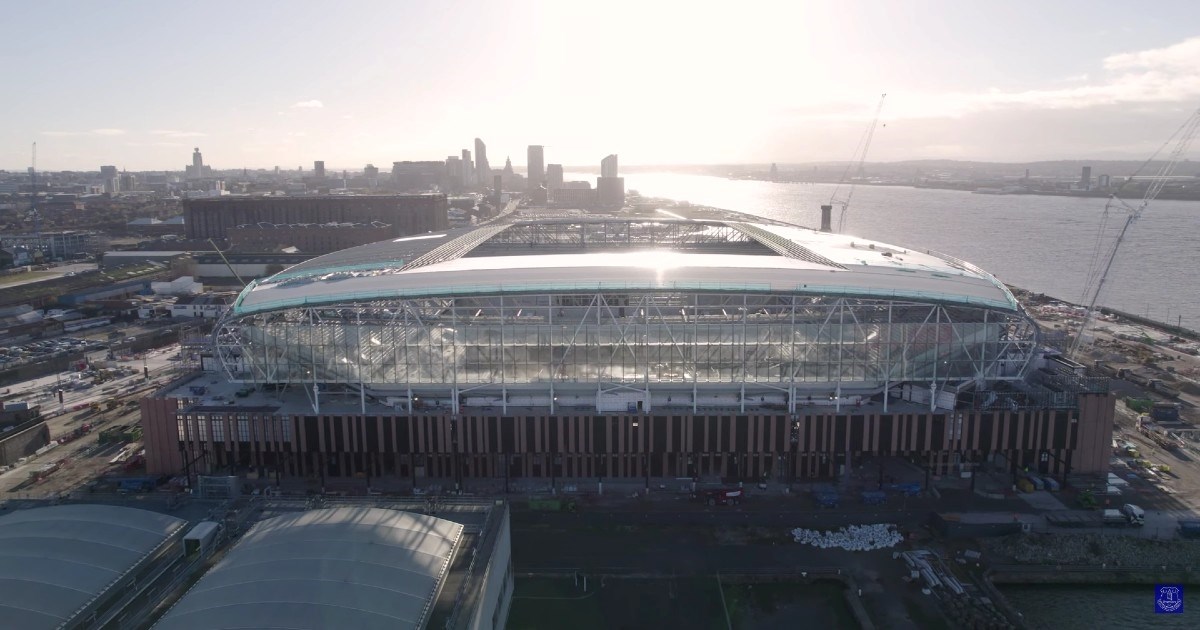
(226, 260)
(856, 161)
(33, 199)
(1182, 139)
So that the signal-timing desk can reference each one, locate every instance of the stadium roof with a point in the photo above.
(633, 254)
(55, 560)
(353, 567)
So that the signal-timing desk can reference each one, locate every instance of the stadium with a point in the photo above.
(566, 344)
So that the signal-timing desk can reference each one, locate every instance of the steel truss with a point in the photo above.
(609, 350)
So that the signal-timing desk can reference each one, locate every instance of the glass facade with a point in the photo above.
(642, 339)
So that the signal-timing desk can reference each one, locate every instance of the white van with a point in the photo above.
(1135, 514)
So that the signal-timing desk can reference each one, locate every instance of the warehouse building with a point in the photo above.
(357, 567)
(72, 566)
(406, 214)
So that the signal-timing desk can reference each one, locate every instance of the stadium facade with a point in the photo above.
(576, 345)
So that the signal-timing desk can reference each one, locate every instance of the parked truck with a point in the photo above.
(720, 496)
(201, 538)
(874, 497)
(1189, 529)
(1135, 514)
(910, 489)
(826, 497)
(1114, 518)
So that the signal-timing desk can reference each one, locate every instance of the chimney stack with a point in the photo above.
(827, 218)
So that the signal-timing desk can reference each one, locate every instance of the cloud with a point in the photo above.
(155, 144)
(93, 132)
(171, 133)
(1149, 78)
(1182, 56)
(1156, 76)
(313, 104)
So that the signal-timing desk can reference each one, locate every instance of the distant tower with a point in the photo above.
(482, 170)
(1085, 182)
(608, 166)
(610, 189)
(196, 170)
(536, 166)
(454, 171)
(109, 179)
(774, 172)
(554, 176)
(468, 169)
(319, 168)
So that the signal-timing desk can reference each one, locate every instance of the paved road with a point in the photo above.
(52, 273)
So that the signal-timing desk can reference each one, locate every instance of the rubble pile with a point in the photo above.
(851, 538)
(1093, 549)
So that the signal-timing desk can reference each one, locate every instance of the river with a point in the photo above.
(1044, 244)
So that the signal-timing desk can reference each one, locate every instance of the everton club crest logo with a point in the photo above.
(1168, 599)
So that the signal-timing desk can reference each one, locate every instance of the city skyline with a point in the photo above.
(786, 84)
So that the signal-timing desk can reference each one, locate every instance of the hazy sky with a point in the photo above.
(260, 84)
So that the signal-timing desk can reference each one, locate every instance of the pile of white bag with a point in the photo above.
(852, 538)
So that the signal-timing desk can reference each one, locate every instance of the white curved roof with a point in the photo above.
(805, 261)
(55, 560)
(355, 567)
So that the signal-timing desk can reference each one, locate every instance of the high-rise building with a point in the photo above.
(535, 166)
(610, 189)
(370, 171)
(196, 170)
(1085, 181)
(109, 181)
(418, 176)
(608, 166)
(483, 171)
(454, 171)
(554, 176)
(319, 168)
(468, 169)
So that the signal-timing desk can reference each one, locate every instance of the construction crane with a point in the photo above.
(226, 260)
(1182, 139)
(856, 161)
(33, 210)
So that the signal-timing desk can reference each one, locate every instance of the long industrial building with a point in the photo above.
(75, 566)
(358, 567)
(576, 345)
(406, 214)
